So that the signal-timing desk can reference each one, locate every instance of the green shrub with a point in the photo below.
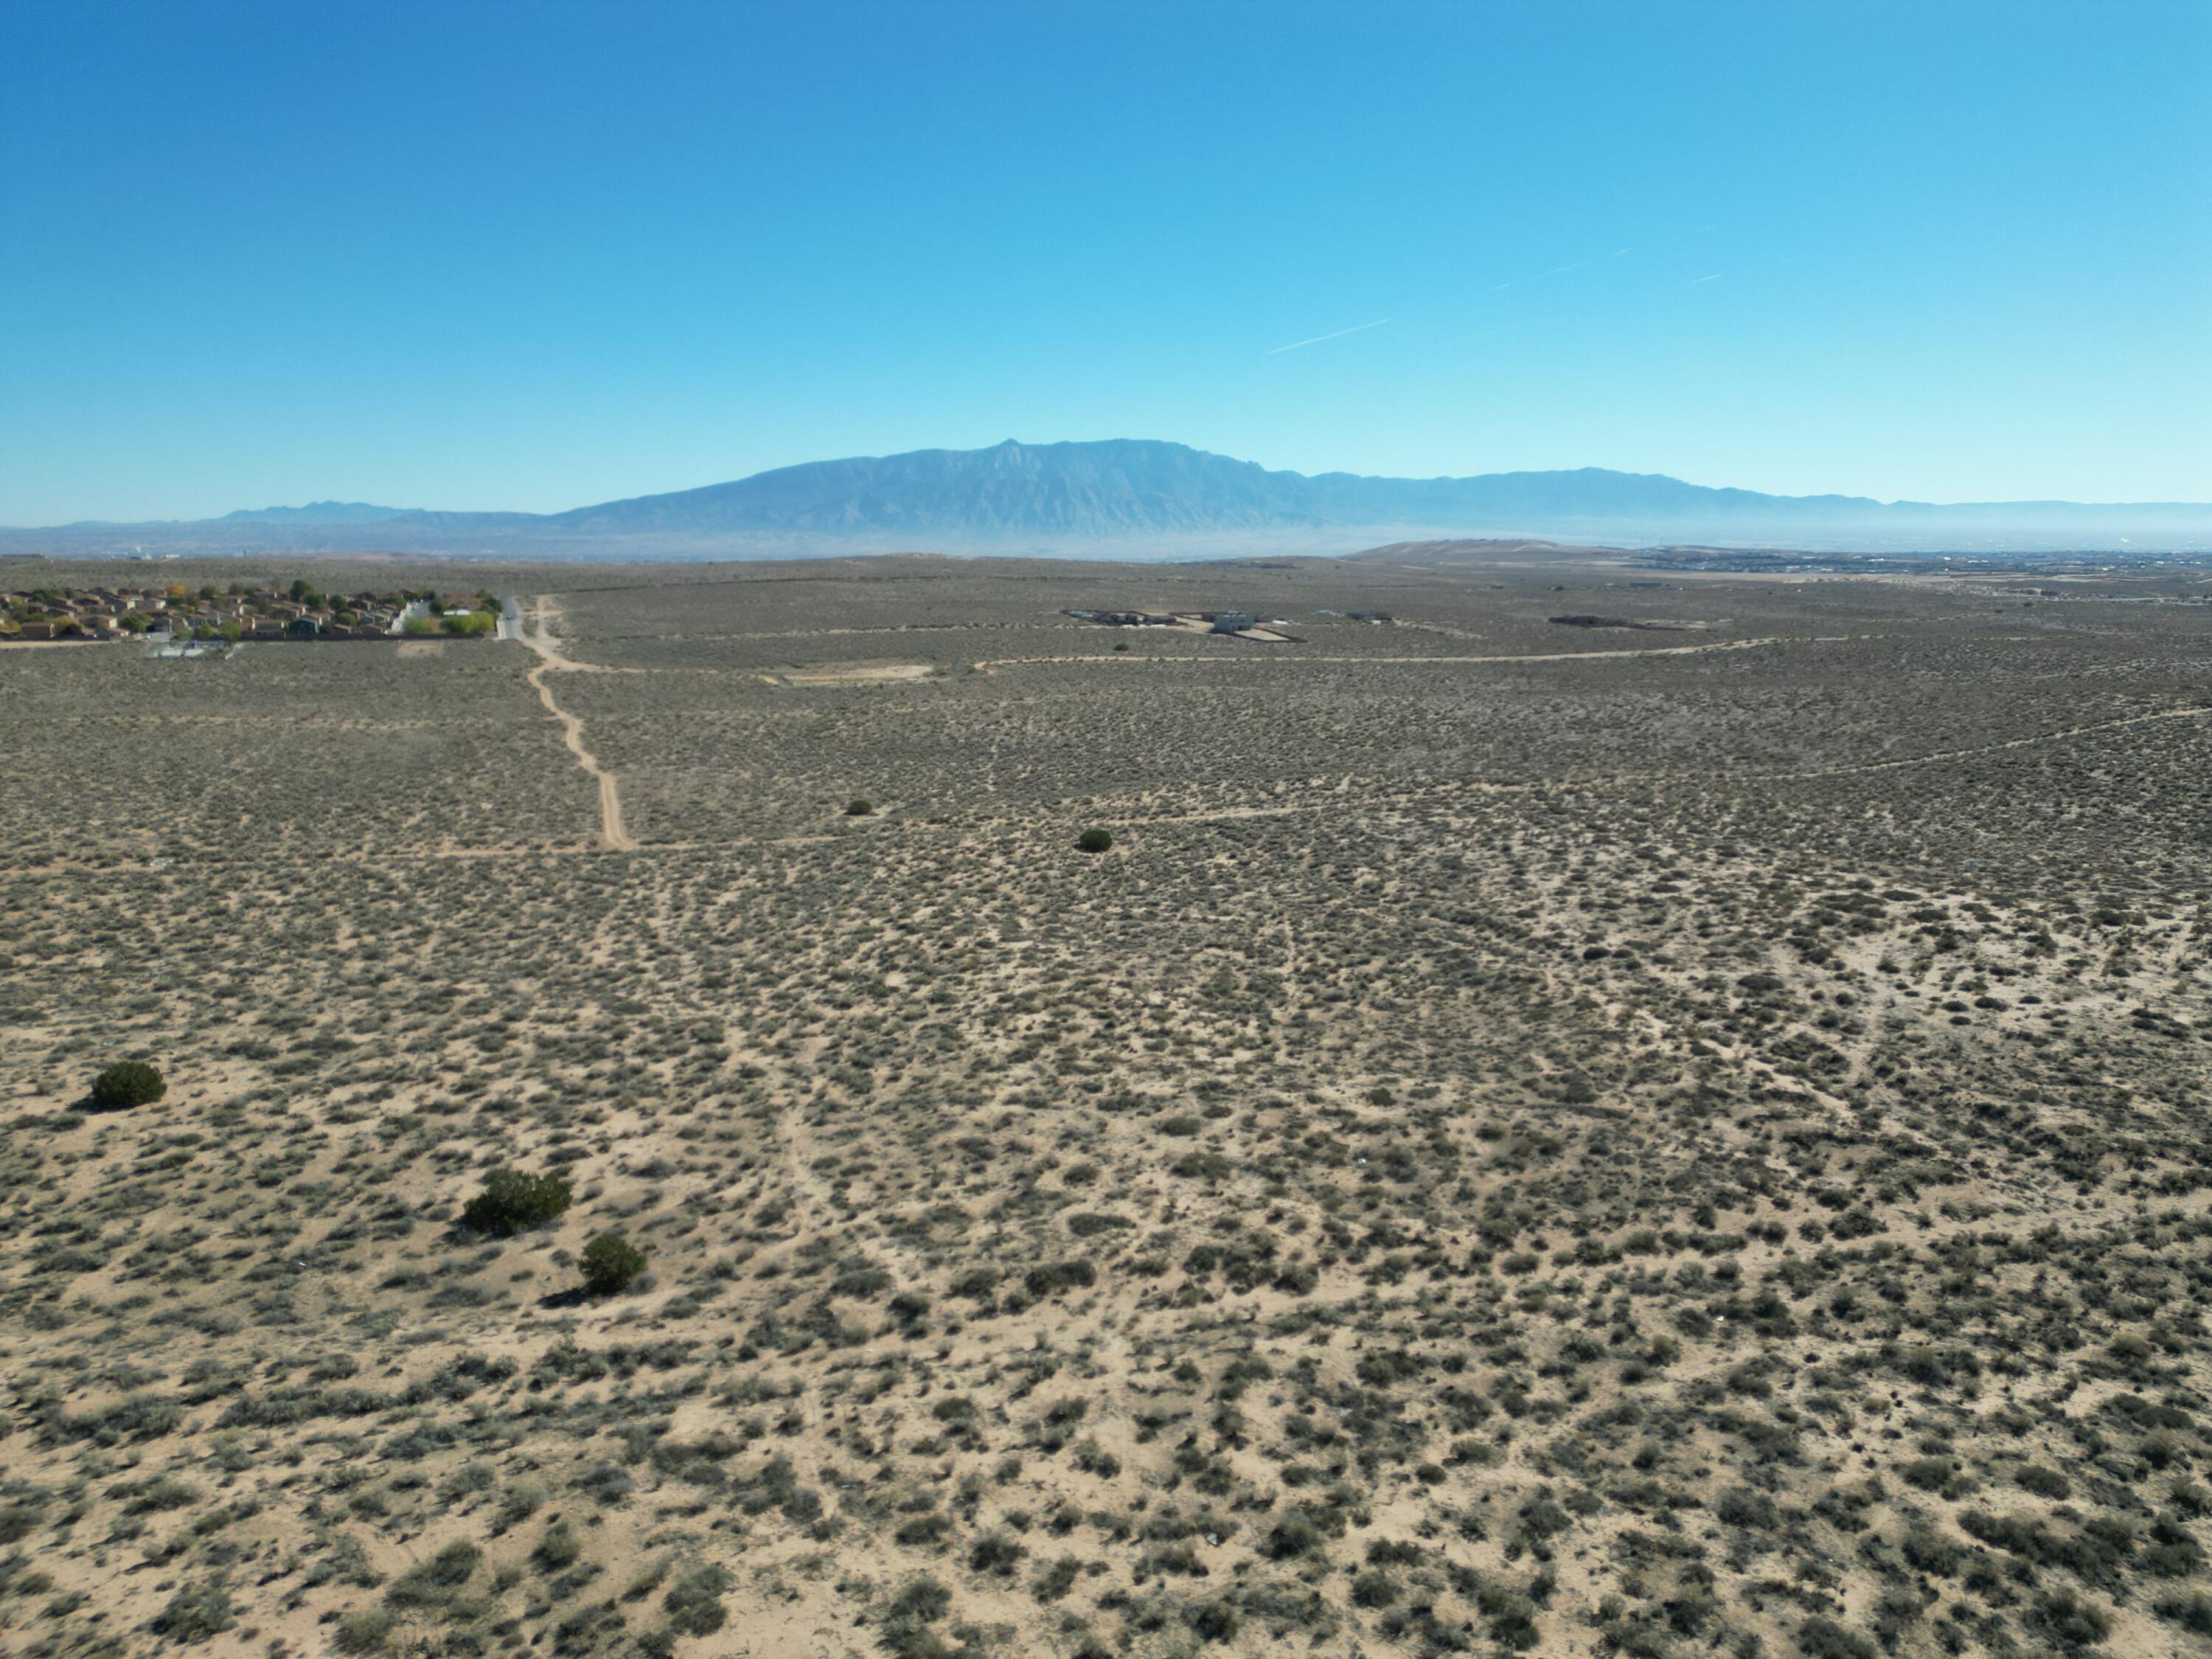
(611, 1264)
(1824, 1638)
(512, 1203)
(128, 1083)
(1056, 1580)
(994, 1552)
(429, 1583)
(1741, 1507)
(2191, 1610)
(194, 1613)
(1094, 841)
(362, 1631)
(859, 807)
(693, 1601)
(1212, 1621)
(2072, 1619)
(1374, 1589)
(1295, 1534)
(1049, 1277)
(924, 1598)
(558, 1548)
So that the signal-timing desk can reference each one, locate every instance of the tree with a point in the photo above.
(611, 1263)
(134, 624)
(128, 1083)
(1094, 841)
(859, 807)
(513, 1201)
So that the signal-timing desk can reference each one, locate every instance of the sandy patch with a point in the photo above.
(856, 674)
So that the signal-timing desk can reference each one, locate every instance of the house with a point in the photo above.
(305, 628)
(1233, 621)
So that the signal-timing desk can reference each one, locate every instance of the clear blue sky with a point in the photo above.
(536, 255)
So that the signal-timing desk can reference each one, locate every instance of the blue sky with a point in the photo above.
(531, 255)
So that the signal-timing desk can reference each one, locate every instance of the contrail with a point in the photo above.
(1318, 339)
(1692, 282)
(1579, 264)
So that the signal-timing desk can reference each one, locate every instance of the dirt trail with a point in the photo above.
(612, 835)
(1507, 656)
(1943, 754)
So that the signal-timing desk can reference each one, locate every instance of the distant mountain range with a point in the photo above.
(314, 513)
(1150, 497)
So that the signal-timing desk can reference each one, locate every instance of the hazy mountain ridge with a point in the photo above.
(316, 513)
(1080, 492)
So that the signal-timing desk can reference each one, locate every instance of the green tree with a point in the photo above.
(513, 1201)
(1094, 841)
(611, 1264)
(128, 1083)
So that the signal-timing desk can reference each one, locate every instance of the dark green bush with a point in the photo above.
(2191, 1610)
(924, 1598)
(1094, 841)
(558, 1548)
(128, 1083)
(1045, 1279)
(1824, 1638)
(512, 1202)
(1374, 1589)
(363, 1631)
(611, 1264)
(859, 807)
(1056, 1580)
(1295, 1534)
(429, 1583)
(693, 1601)
(195, 1613)
(2071, 1619)
(1212, 1621)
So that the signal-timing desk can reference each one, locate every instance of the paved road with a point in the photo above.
(510, 618)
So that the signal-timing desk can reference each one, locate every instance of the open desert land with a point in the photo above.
(1682, 1139)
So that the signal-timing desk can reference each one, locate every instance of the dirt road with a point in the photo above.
(612, 835)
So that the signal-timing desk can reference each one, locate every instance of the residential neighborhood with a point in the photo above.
(298, 612)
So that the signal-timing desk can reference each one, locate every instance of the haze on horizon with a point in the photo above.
(477, 258)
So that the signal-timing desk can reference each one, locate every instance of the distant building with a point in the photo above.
(1233, 621)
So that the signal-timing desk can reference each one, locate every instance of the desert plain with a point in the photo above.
(1684, 1135)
